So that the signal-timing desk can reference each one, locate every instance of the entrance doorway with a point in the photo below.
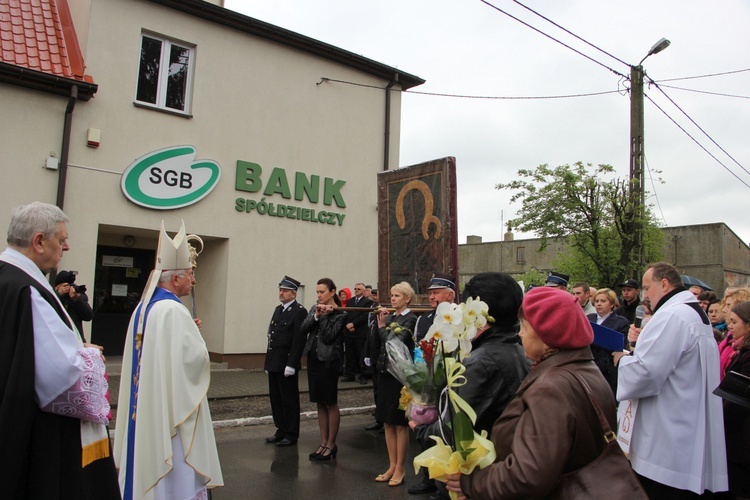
(120, 277)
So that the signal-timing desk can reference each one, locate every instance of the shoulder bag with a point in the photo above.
(609, 475)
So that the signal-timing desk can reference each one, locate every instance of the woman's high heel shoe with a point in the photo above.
(384, 477)
(323, 457)
(317, 452)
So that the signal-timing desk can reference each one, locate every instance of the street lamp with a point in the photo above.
(637, 179)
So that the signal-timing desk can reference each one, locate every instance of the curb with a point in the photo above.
(268, 419)
(307, 415)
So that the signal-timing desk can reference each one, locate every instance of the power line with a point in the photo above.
(695, 140)
(705, 92)
(514, 97)
(699, 127)
(553, 38)
(705, 76)
(462, 96)
(571, 33)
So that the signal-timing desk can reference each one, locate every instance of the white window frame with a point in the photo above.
(161, 93)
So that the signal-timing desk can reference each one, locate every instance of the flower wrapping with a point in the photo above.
(421, 381)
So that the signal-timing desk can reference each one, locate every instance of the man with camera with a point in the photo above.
(74, 299)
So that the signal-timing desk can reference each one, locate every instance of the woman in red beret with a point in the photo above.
(550, 427)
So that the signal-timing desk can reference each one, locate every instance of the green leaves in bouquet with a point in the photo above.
(463, 432)
(416, 376)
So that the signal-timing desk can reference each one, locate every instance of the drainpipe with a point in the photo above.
(63, 173)
(386, 152)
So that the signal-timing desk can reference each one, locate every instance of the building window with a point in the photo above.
(165, 74)
(521, 254)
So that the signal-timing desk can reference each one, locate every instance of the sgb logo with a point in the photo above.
(169, 178)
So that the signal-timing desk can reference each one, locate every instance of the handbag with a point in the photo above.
(609, 475)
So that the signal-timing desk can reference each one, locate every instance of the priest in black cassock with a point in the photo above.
(53, 409)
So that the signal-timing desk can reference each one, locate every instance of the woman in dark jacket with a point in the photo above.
(737, 417)
(323, 327)
(550, 427)
(496, 365)
(389, 388)
(604, 303)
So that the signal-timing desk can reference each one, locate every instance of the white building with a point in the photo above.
(170, 79)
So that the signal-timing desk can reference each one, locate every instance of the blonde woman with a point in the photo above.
(604, 303)
(389, 389)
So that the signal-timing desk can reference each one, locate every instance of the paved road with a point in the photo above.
(255, 470)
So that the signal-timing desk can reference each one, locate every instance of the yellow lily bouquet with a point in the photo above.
(453, 330)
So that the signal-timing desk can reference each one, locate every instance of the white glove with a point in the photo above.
(367, 362)
(289, 371)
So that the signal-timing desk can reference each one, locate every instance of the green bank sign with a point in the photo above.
(169, 178)
(277, 196)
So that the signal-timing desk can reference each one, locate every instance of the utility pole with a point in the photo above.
(637, 184)
(637, 178)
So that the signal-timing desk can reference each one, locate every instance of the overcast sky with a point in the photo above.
(466, 47)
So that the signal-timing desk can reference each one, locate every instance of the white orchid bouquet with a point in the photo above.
(449, 337)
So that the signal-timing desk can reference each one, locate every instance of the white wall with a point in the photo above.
(253, 100)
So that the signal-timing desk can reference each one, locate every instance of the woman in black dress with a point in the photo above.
(389, 389)
(323, 326)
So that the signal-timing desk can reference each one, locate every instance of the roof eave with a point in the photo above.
(269, 31)
(38, 80)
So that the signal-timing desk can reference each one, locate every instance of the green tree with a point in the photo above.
(593, 212)
(532, 276)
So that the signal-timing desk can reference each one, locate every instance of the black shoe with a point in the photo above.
(273, 439)
(286, 442)
(347, 378)
(423, 487)
(317, 452)
(363, 380)
(375, 426)
(327, 455)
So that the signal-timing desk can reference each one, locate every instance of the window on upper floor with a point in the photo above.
(165, 74)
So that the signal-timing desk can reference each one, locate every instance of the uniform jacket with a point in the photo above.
(424, 322)
(324, 334)
(547, 430)
(286, 340)
(359, 318)
(407, 322)
(678, 433)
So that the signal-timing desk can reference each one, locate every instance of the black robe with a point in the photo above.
(40, 453)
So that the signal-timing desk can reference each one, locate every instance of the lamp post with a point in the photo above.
(637, 179)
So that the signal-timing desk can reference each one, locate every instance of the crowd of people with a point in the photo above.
(542, 383)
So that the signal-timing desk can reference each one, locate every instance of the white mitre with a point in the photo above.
(171, 254)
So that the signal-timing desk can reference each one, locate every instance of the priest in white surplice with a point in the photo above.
(164, 443)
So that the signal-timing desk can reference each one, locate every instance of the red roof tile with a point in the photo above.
(39, 35)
